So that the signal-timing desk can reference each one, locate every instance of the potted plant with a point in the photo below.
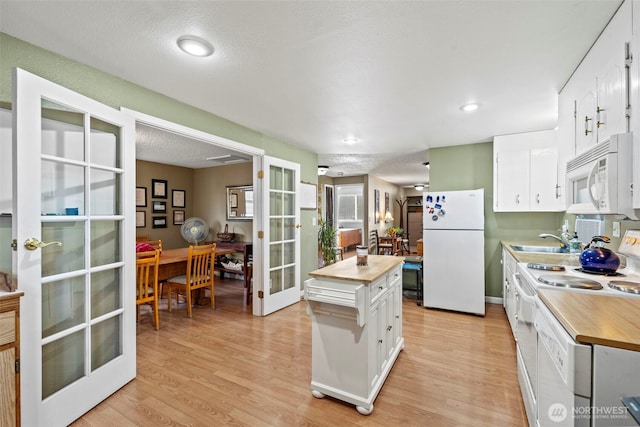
(327, 242)
(395, 231)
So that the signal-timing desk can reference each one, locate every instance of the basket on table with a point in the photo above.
(226, 236)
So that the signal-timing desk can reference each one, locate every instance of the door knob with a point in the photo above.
(32, 244)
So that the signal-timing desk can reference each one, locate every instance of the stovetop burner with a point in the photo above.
(547, 267)
(599, 273)
(569, 282)
(625, 286)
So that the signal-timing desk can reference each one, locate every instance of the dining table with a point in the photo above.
(173, 262)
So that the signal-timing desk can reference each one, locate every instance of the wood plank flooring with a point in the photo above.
(227, 367)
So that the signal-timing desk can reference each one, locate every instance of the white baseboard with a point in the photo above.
(493, 300)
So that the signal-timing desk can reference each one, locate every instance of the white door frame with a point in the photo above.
(257, 155)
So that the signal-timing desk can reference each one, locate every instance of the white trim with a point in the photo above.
(192, 133)
(493, 300)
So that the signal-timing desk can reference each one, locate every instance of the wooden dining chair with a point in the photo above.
(381, 248)
(147, 283)
(157, 244)
(142, 238)
(199, 275)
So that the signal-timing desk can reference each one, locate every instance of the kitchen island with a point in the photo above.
(356, 327)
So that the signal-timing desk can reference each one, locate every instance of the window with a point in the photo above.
(351, 208)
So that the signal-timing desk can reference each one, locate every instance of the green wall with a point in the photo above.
(117, 93)
(470, 167)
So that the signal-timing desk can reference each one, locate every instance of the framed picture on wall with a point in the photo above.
(141, 219)
(178, 217)
(159, 222)
(178, 198)
(141, 197)
(159, 207)
(159, 188)
(386, 204)
(376, 206)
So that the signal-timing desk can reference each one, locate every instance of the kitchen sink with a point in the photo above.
(540, 249)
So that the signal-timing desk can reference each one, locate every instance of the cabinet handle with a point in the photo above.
(388, 328)
(517, 199)
(380, 341)
(598, 122)
(538, 198)
(586, 125)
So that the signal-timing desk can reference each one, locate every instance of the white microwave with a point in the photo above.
(599, 181)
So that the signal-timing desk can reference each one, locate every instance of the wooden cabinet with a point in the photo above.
(509, 294)
(356, 328)
(10, 358)
(527, 176)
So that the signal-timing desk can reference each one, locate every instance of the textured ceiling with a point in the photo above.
(391, 73)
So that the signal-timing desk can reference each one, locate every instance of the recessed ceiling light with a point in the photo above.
(426, 165)
(350, 141)
(419, 187)
(195, 46)
(470, 107)
(322, 169)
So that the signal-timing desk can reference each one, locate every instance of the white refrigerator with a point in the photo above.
(453, 255)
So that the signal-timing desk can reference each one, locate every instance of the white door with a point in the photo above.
(281, 243)
(74, 180)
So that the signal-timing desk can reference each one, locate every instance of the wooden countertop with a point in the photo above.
(596, 319)
(348, 270)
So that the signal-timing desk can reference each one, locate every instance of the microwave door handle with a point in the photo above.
(590, 179)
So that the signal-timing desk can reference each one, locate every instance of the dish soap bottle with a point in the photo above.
(575, 245)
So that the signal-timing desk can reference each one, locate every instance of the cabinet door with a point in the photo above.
(610, 53)
(397, 312)
(7, 388)
(611, 112)
(512, 181)
(585, 118)
(544, 180)
(376, 357)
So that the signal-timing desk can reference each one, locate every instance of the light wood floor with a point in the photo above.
(226, 367)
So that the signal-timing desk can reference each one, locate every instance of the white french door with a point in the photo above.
(281, 242)
(74, 181)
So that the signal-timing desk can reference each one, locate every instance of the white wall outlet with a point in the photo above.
(313, 221)
(616, 229)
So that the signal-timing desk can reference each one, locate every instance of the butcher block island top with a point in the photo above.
(377, 265)
(596, 319)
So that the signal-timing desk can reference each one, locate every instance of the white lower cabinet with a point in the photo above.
(356, 335)
(509, 294)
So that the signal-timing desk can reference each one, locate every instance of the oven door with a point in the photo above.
(564, 374)
(527, 344)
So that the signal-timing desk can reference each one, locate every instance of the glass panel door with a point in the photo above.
(78, 331)
(282, 260)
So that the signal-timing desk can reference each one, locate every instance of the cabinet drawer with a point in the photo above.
(377, 288)
(394, 275)
(7, 327)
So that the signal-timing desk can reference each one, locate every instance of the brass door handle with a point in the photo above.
(32, 244)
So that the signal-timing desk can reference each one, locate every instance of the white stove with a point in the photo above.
(624, 282)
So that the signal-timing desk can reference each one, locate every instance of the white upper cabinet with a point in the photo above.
(593, 104)
(526, 175)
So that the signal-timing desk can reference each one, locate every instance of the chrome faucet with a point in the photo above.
(564, 238)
